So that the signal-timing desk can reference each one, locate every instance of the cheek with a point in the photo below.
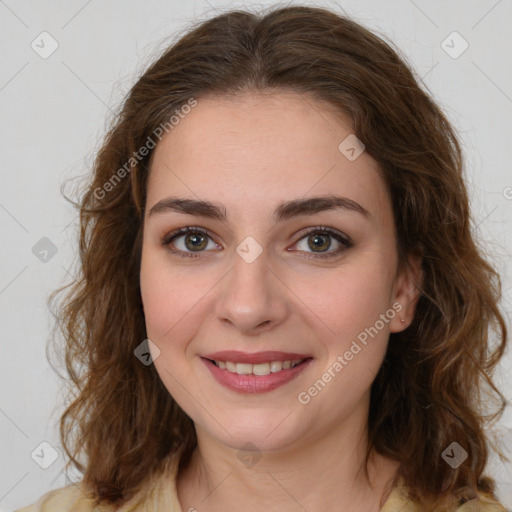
(346, 300)
(348, 307)
(171, 304)
(168, 297)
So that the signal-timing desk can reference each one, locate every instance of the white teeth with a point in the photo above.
(243, 368)
(276, 366)
(261, 369)
(258, 369)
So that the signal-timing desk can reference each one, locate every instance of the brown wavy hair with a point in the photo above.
(435, 384)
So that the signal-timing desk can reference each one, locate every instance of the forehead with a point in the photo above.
(260, 149)
(279, 123)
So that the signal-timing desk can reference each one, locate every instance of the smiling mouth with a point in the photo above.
(260, 369)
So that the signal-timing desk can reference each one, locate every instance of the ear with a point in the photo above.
(406, 293)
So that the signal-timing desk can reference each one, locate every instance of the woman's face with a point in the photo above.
(281, 280)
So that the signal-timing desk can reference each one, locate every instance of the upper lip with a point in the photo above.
(235, 356)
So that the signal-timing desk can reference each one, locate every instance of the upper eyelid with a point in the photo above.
(331, 231)
(180, 232)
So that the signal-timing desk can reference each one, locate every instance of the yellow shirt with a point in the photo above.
(160, 495)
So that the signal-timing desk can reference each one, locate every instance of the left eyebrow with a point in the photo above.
(284, 211)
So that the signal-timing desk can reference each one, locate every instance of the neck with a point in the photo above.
(323, 473)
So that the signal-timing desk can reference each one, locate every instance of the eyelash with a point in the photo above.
(340, 237)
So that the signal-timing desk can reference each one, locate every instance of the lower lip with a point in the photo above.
(254, 383)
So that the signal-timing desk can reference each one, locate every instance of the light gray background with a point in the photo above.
(53, 116)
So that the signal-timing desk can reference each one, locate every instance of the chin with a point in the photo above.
(263, 431)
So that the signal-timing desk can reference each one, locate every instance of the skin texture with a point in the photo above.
(251, 153)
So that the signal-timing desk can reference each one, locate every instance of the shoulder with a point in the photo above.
(71, 498)
(485, 503)
(158, 493)
(399, 501)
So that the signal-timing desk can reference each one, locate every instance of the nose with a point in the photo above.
(252, 297)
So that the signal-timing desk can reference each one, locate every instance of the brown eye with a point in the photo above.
(195, 241)
(187, 241)
(319, 241)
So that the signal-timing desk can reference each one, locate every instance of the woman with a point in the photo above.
(281, 304)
